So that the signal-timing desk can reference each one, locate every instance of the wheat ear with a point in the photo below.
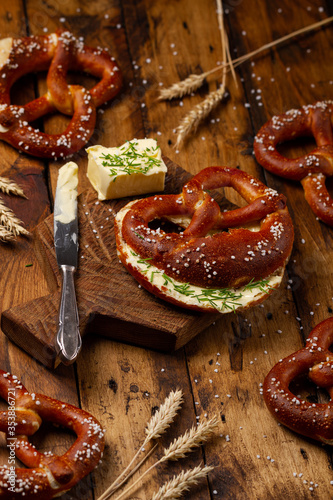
(9, 220)
(185, 87)
(5, 235)
(202, 110)
(157, 425)
(197, 114)
(165, 415)
(192, 438)
(180, 447)
(9, 187)
(175, 488)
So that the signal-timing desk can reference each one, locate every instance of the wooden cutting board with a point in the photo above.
(110, 302)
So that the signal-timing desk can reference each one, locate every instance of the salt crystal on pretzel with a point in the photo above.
(206, 267)
(56, 53)
(312, 169)
(47, 475)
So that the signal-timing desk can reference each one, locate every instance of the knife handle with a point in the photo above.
(69, 341)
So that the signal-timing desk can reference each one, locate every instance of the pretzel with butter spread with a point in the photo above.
(56, 53)
(47, 475)
(214, 258)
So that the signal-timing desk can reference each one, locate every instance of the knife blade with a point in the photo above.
(66, 242)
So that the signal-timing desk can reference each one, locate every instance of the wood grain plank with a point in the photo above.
(162, 42)
(133, 383)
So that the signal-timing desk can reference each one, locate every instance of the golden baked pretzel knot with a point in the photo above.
(56, 53)
(47, 475)
(206, 254)
(311, 169)
(314, 420)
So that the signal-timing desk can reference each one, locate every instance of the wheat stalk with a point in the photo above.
(202, 110)
(157, 425)
(9, 187)
(120, 481)
(233, 63)
(11, 223)
(226, 57)
(175, 488)
(193, 82)
(269, 45)
(186, 443)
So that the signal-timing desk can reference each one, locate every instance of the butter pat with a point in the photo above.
(65, 205)
(134, 168)
(5, 50)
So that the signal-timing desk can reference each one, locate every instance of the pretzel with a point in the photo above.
(58, 53)
(205, 254)
(47, 475)
(312, 169)
(314, 420)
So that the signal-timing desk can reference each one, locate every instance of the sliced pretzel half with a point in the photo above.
(206, 255)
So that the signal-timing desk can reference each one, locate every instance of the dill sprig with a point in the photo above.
(228, 297)
(138, 235)
(263, 285)
(218, 298)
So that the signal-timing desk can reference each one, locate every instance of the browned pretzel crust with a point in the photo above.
(47, 475)
(224, 259)
(314, 420)
(311, 169)
(56, 53)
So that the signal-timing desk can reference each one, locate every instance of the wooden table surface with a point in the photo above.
(220, 371)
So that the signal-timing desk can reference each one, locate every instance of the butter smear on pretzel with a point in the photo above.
(219, 261)
(134, 168)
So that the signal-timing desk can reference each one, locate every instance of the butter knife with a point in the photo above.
(68, 341)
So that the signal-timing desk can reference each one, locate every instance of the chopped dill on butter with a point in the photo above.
(131, 159)
(221, 299)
